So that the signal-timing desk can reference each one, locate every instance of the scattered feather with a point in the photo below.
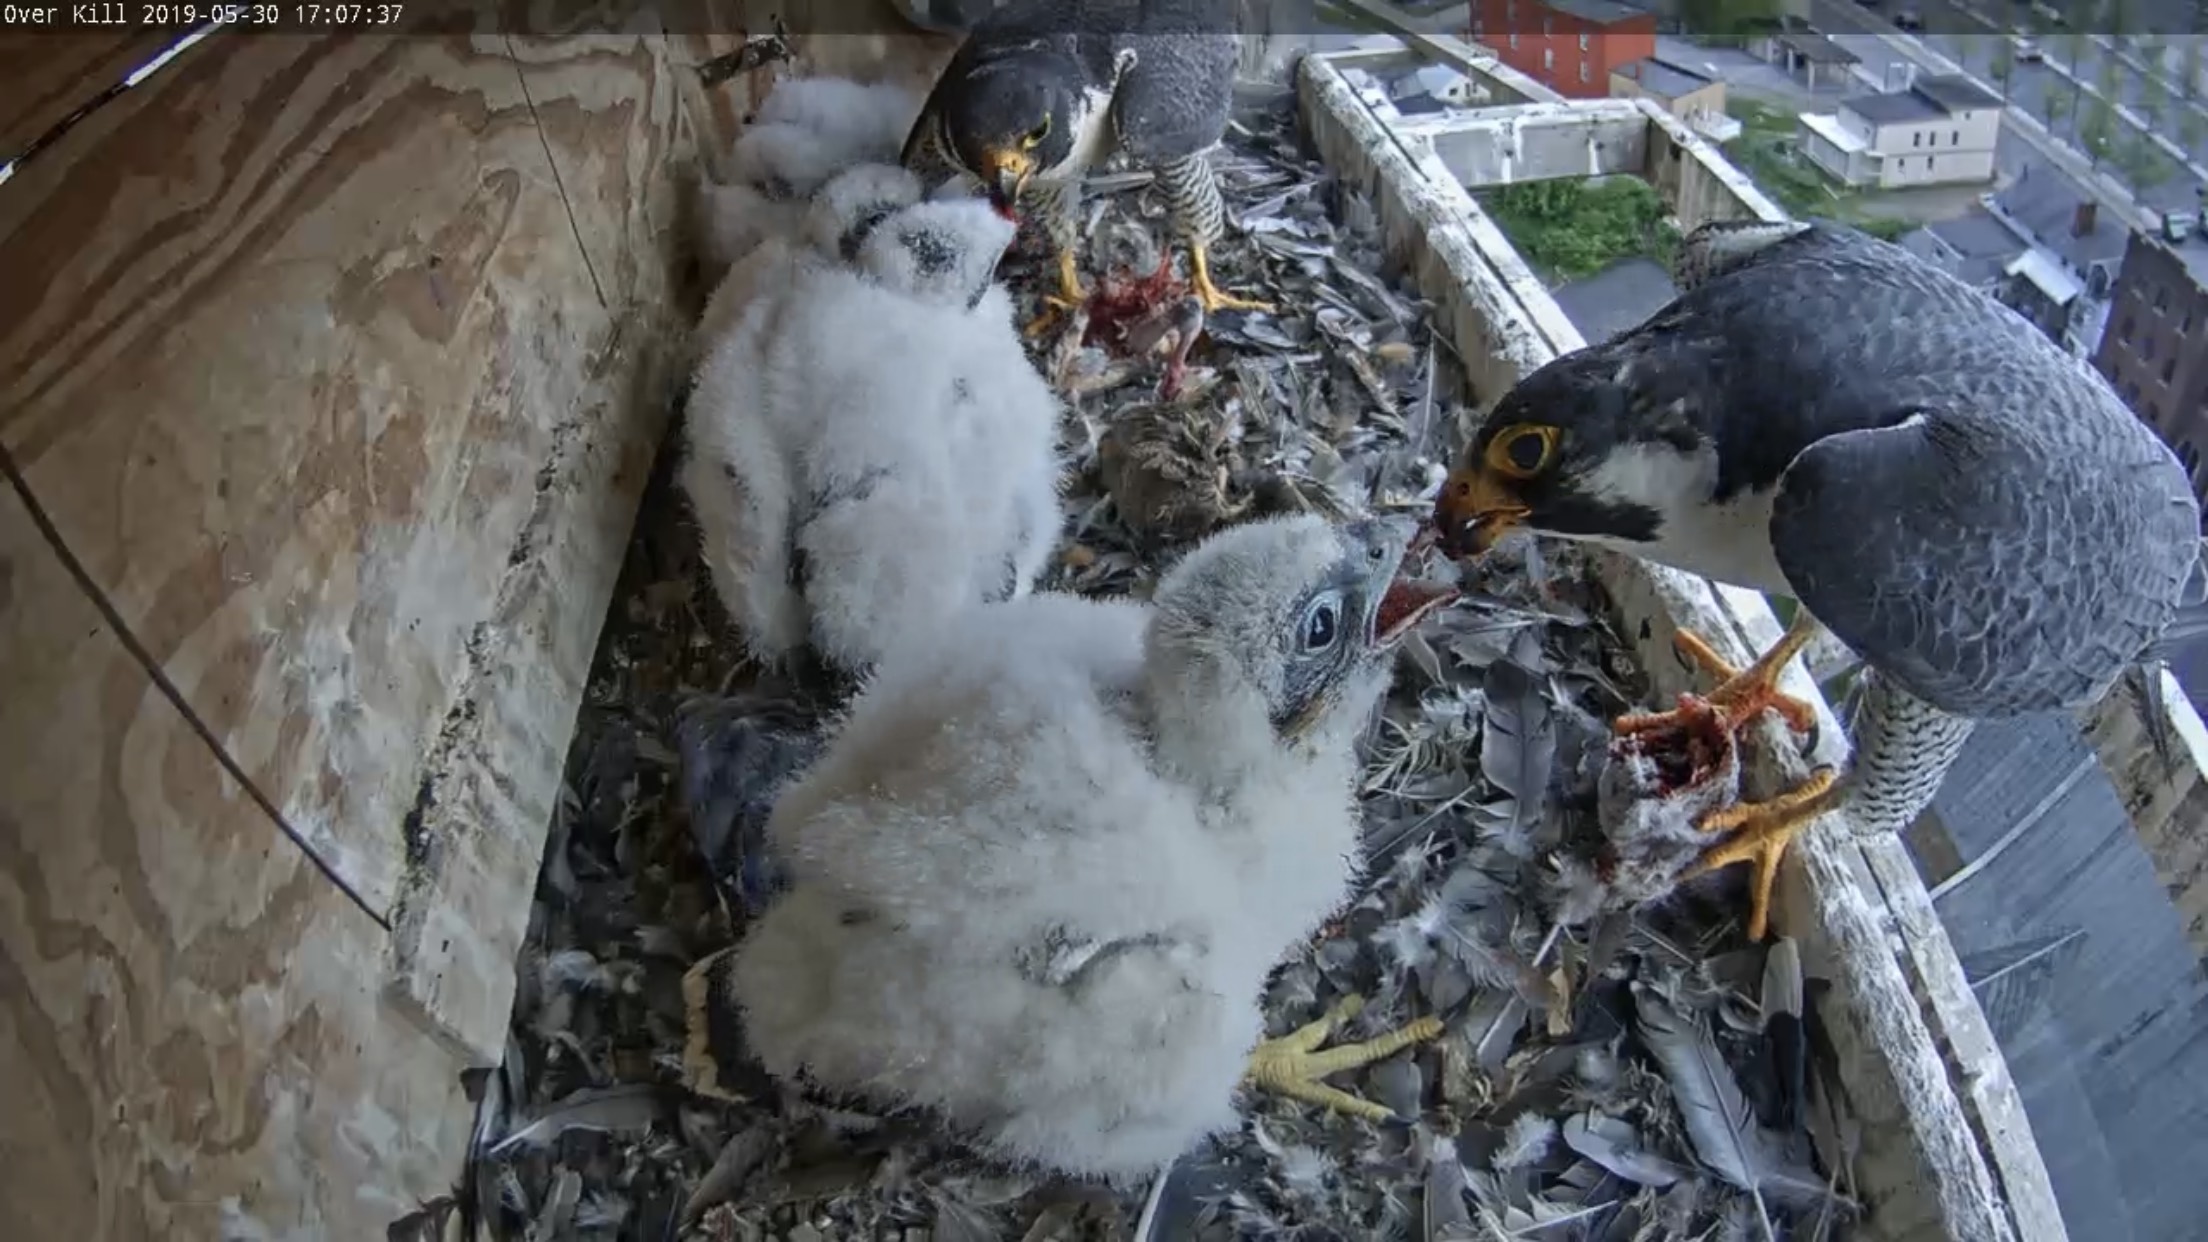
(1616, 1146)
(1727, 1138)
(1525, 1142)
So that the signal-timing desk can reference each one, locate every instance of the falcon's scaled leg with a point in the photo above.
(1192, 192)
(1293, 1064)
(1760, 830)
(1057, 206)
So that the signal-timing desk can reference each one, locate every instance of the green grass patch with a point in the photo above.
(1572, 228)
(1769, 151)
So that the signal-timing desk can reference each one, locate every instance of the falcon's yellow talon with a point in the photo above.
(1069, 298)
(1741, 692)
(1293, 1064)
(1070, 292)
(1761, 831)
(1210, 294)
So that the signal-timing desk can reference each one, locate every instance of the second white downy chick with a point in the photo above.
(1041, 873)
(807, 131)
(848, 479)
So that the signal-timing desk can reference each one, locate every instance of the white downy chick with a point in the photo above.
(737, 466)
(1005, 416)
(1040, 875)
(807, 131)
(847, 485)
(832, 225)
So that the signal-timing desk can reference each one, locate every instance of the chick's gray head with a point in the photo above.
(846, 210)
(942, 252)
(1597, 444)
(1292, 618)
(1013, 114)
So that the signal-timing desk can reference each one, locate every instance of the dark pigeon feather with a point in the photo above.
(738, 754)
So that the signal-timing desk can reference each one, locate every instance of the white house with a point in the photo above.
(1939, 131)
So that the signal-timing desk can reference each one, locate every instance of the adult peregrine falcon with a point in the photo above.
(1044, 89)
(1822, 416)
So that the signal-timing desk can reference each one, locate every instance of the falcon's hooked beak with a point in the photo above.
(1005, 174)
(1476, 508)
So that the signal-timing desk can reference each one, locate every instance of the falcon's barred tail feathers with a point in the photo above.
(1722, 245)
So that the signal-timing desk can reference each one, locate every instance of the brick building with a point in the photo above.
(1571, 46)
(2155, 351)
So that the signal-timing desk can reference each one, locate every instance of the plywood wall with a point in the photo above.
(331, 370)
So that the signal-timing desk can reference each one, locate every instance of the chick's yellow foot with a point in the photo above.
(1213, 298)
(1293, 1064)
(1741, 692)
(1760, 833)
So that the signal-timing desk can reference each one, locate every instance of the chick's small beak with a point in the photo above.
(1401, 600)
(1006, 174)
(1476, 508)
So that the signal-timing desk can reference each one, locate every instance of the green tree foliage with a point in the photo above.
(1728, 21)
(2188, 83)
(2097, 131)
(1885, 228)
(2143, 164)
(2192, 127)
(2056, 106)
(2004, 63)
(1574, 228)
(2154, 102)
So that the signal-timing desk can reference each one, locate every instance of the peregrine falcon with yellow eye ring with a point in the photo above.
(1043, 90)
(1823, 416)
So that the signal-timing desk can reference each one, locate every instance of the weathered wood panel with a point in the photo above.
(609, 114)
(296, 326)
(45, 77)
(190, 1027)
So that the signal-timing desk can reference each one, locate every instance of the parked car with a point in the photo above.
(1908, 19)
(2027, 51)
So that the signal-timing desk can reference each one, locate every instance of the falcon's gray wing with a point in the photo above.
(1175, 100)
(1976, 570)
(1988, 570)
(1963, 504)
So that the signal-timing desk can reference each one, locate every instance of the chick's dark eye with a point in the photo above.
(1526, 451)
(1035, 136)
(1319, 626)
